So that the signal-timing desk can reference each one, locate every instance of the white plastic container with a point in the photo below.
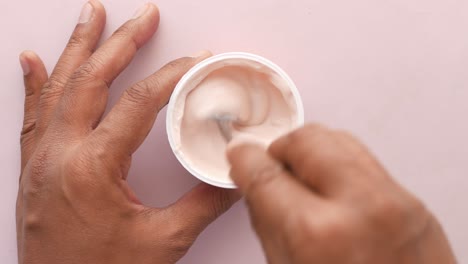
(221, 59)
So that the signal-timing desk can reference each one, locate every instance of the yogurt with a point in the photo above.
(261, 98)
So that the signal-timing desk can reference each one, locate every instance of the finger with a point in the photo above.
(131, 119)
(81, 45)
(361, 153)
(271, 193)
(85, 97)
(316, 157)
(35, 75)
(201, 206)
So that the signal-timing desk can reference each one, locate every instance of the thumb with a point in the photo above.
(201, 206)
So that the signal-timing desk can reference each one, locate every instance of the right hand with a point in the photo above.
(319, 196)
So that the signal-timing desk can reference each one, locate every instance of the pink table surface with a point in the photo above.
(393, 72)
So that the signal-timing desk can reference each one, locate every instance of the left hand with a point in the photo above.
(74, 203)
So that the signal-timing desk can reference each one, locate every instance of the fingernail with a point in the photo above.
(86, 13)
(201, 53)
(141, 11)
(24, 65)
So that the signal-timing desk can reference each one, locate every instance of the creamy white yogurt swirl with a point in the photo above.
(264, 104)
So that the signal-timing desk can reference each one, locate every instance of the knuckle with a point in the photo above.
(52, 89)
(177, 233)
(28, 127)
(27, 136)
(303, 160)
(389, 213)
(123, 31)
(417, 212)
(95, 151)
(353, 144)
(83, 162)
(31, 190)
(178, 64)
(26, 141)
(313, 128)
(173, 70)
(221, 203)
(86, 71)
(32, 222)
(92, 158)
(178, 238)
(346, 134)
(387, 208)
(331, 231)
(77, 177)
(86, 77)
(143, 92)
(317, 150)
(305, 153)
(257, 222)
(39, 166)
(126, 31)
(311, 133)
(75, 41)
(36, 175)
(302, 222)
(304, 230)
(264, 177)
(417, 207)
(333, 236)
(297, 136)
(29, 92)
(76, 168)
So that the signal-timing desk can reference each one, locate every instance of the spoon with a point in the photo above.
(224, 123)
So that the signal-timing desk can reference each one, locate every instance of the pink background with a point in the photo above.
(393, 72)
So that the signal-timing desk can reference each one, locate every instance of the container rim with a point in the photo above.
(195, 69)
